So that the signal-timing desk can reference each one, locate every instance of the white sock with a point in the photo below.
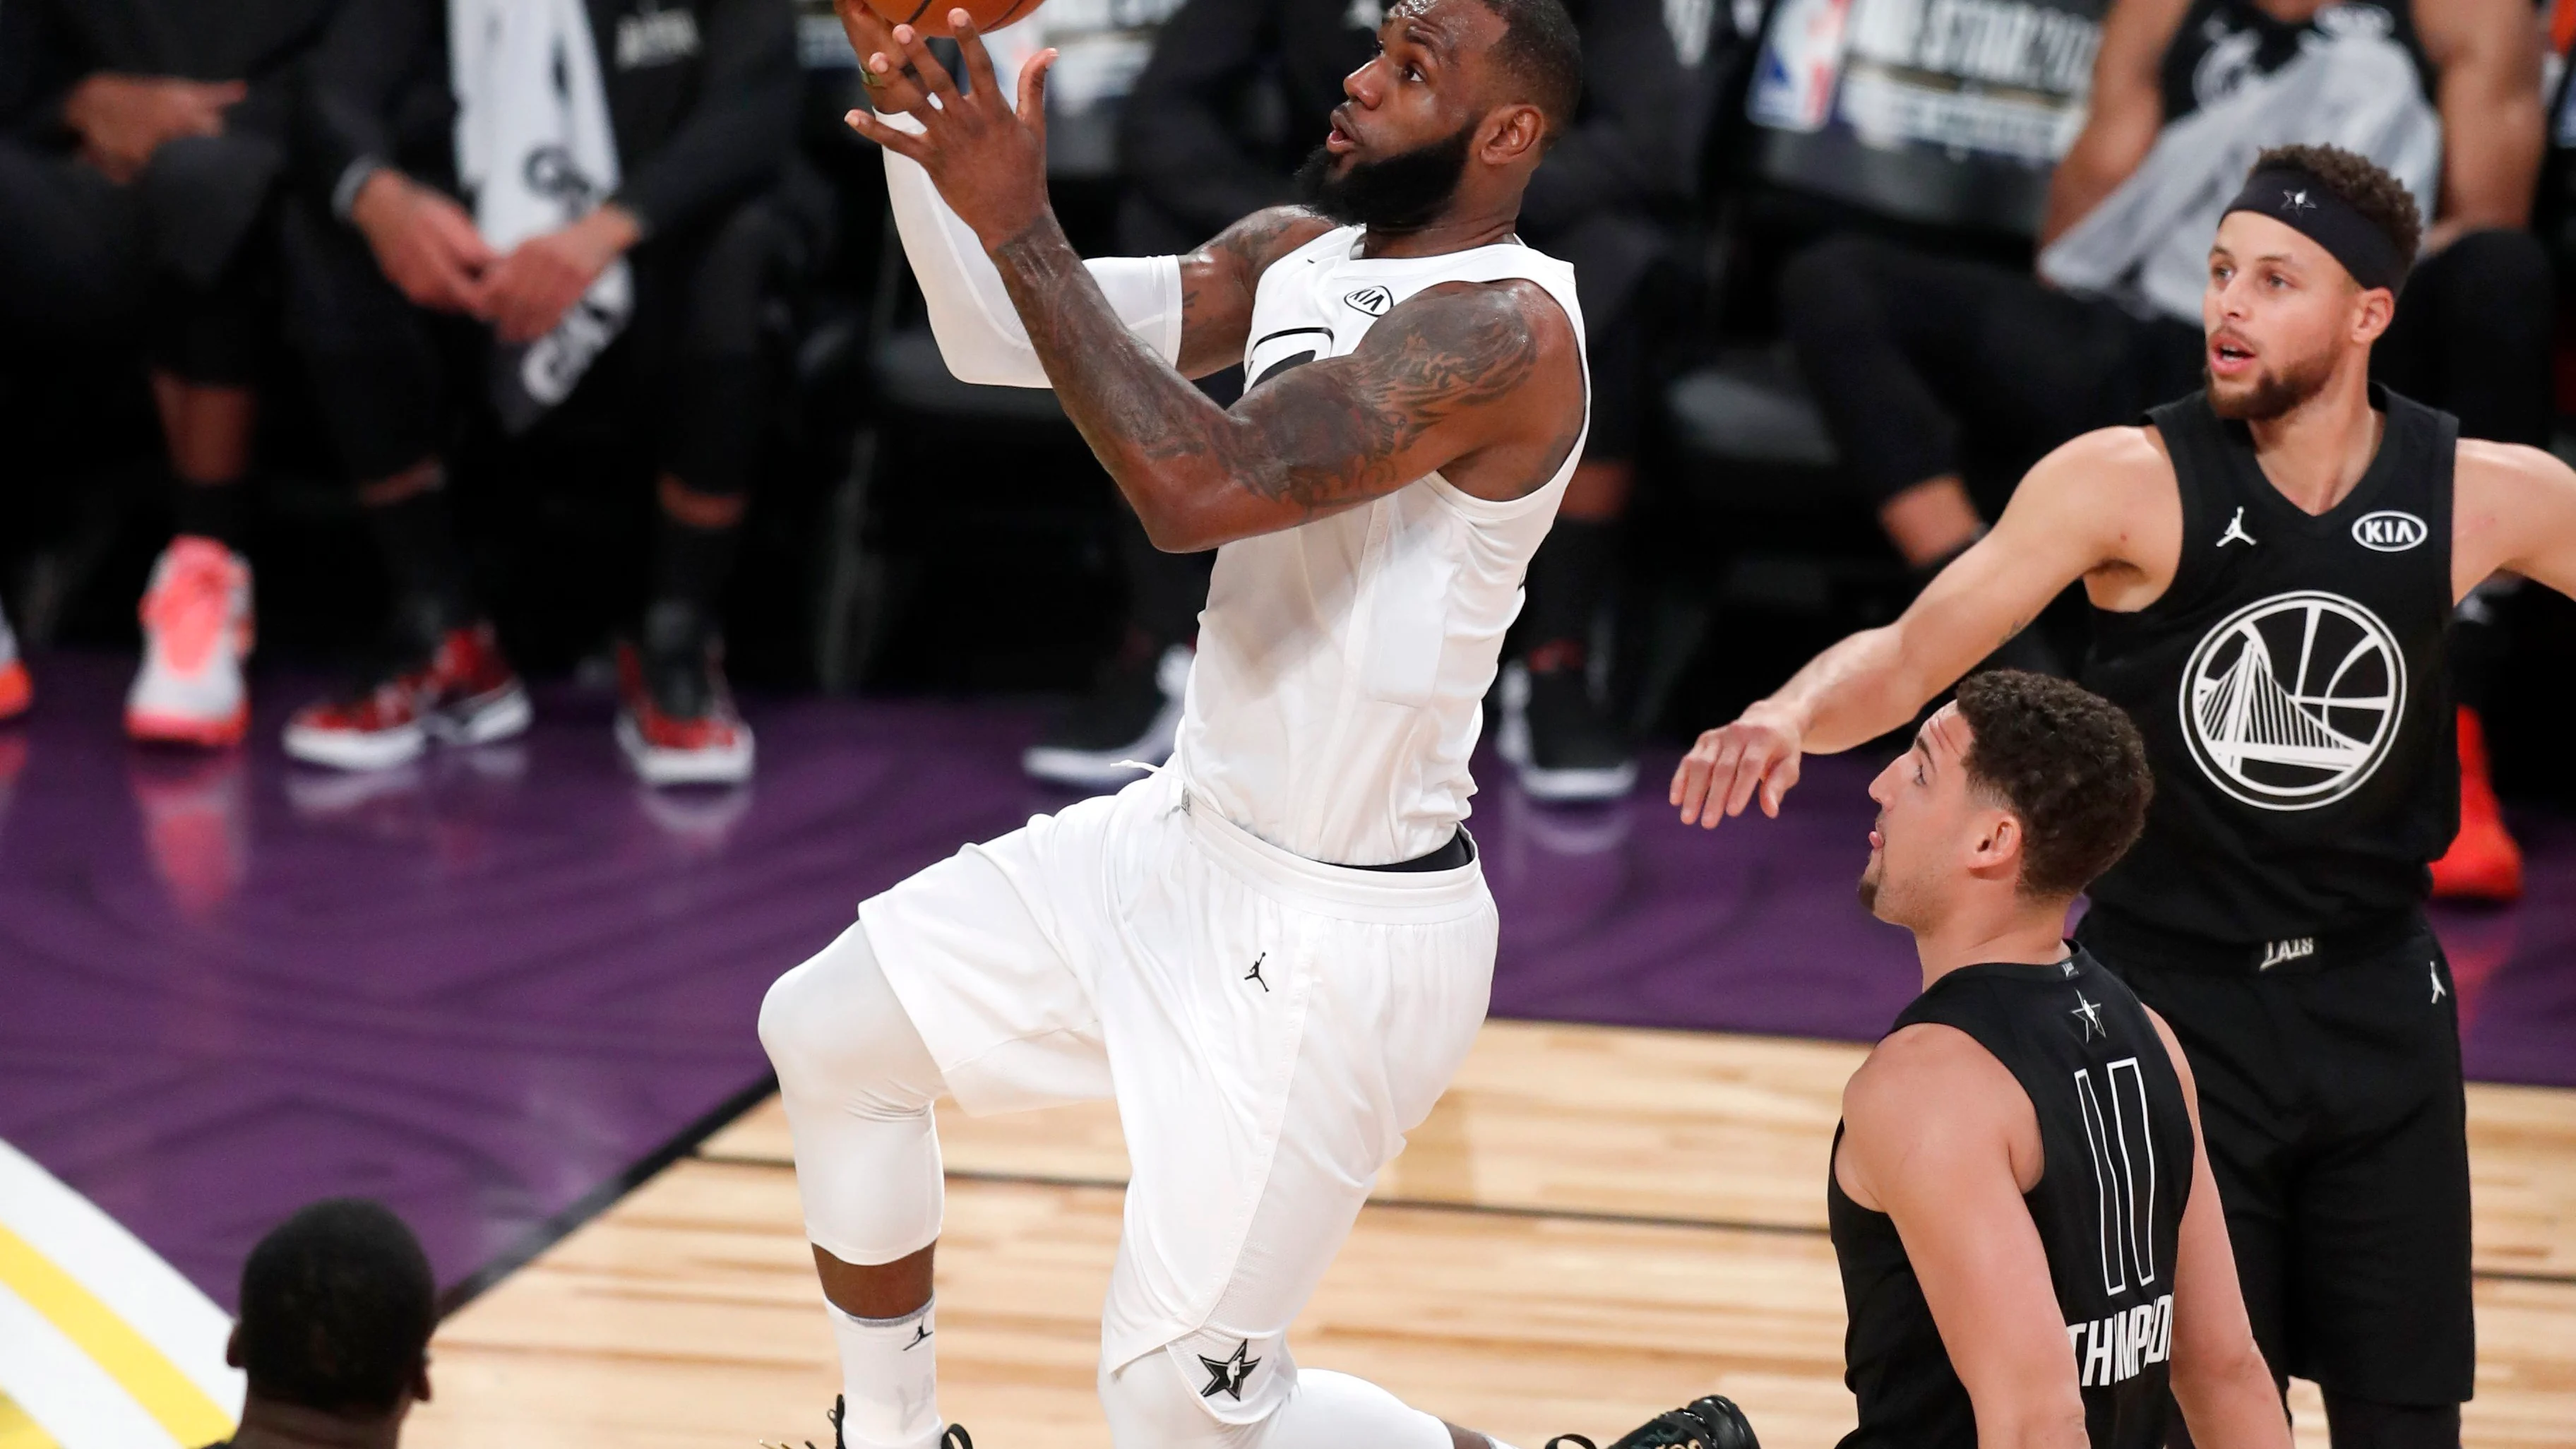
(889, 1374)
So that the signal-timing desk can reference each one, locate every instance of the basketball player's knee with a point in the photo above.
(833, 1025)
(1152, 1404)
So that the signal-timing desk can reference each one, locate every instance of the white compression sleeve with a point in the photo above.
(980, 336)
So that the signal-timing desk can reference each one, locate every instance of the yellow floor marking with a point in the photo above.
(143, 1371)
(17, 1431)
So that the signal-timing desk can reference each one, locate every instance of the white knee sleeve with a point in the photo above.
(1152, 1404)
(858, 1085)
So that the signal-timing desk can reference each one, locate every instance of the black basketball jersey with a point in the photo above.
(2290, 686)
(2116, 1138)
(2224, 45)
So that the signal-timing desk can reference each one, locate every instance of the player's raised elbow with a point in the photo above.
(1173, 535)
(1182, 523)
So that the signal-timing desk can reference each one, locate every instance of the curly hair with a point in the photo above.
(2363, 185)
(2068, 764)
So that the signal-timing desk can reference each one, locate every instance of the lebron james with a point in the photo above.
(1274, 951)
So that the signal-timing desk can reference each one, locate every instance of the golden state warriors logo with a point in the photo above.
(2291, 703)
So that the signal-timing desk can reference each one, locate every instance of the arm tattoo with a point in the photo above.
(1340, 439)
(1322, 438)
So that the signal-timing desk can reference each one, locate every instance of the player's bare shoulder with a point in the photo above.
(2512, 507)
(1928, 1091)
(2110, 495)
(2112, 466)
(1252, 244)
(1501, 357)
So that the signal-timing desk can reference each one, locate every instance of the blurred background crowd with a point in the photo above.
(396, 342)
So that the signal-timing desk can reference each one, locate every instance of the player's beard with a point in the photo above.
(2274, 392)
(1402, 192)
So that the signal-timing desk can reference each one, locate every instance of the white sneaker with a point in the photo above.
(196, 632)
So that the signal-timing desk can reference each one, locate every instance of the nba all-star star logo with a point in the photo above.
(2293, 701)
(1226, 1375)
(2089, 1013)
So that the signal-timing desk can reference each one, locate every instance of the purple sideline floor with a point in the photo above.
(490, 988)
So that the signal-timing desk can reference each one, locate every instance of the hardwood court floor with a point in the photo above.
(1594, 1225)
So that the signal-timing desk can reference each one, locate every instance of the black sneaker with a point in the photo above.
(676, 720)
(952, 1437)
(1130, 718)
(1709, 1423)
(1558, 739)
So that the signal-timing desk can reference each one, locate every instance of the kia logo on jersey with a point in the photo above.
(1372, 300)
(2389, 531)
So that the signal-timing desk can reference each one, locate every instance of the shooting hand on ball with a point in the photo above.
(987, 159)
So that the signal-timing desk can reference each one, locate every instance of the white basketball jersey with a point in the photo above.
(1342, 664)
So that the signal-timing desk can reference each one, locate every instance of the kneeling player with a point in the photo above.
(2032, 1249)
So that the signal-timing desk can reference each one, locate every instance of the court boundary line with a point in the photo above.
(578, 1214)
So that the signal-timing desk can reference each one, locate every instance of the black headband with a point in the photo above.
(2295, 198)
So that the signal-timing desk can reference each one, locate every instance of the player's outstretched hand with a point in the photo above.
(987, 158)
(1725, 769)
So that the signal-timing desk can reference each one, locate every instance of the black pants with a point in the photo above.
(89, 267)
(1925, 366)
(690, 351)
(2336, 1124)
(693, 346)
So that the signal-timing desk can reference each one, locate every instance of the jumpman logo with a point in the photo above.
(2298, 200)
(2236, 532)
(1254, 975)
(920, 1336)
(2090, 1013)
(2434, 971)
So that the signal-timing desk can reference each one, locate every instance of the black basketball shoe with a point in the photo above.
(1129, 718)
(952, 1437)
(1565, 748)
(1708, 1423)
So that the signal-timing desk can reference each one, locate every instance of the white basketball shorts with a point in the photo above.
(1271, 1027)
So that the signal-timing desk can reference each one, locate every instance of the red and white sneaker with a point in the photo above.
(2483, 863)
(676, 721)
(464, 694)
(196, 633)
(16, 690)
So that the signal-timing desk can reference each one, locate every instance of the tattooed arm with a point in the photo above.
(1442, 382)
(1481, 382)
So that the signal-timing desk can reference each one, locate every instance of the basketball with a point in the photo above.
(930, 17)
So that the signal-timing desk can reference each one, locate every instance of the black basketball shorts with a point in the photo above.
(2331, 1103)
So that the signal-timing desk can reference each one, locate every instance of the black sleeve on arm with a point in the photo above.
(1632, 142)
(352, 84)
(740, 130)
(38, 68)
(1176, 138)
